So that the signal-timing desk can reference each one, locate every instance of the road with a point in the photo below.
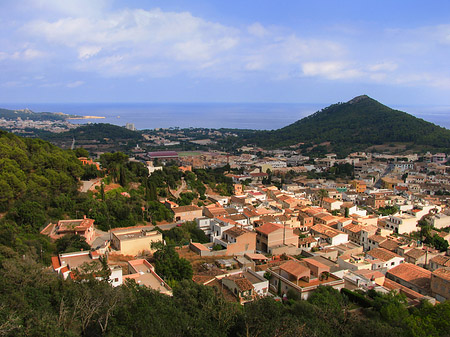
(177, 193)
(87, 184)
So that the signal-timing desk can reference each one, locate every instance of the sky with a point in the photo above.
(289, 51)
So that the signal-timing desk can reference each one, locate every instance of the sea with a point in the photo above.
(257, 116)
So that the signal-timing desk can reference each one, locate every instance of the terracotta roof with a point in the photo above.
(237, 217)
(316, 263)
(443, 273)
(268, 228)
(236, 231)
(55, 262)
(382, 254)
(415, 253)
(353, 228)
(329, 200)
(441, 260)
(243, 284)
(295, 268)
(250, 214)
(256, 256)
(326, 230)
(391, 285)
(188, 208)
(377, 238)
(389, 245)
(369, 274)
(412, 274)
(199, 246)
(324, 216)
(309, 239)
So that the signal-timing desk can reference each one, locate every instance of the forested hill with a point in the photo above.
(98, 131)
(356, 124)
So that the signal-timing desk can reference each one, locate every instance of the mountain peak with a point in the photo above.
(358, 99)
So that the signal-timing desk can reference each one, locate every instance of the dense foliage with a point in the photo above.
(30, 115)
(36, 302)
(351, 126)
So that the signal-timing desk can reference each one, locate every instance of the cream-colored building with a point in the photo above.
(134, 241)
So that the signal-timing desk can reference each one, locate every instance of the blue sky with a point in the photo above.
(224, 51)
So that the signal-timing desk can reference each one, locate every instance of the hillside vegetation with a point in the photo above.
(38, 183)
(355, 125)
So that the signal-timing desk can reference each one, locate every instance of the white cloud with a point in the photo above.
(331, 70)
(257, 30)
(92, 36)
(74, 84)
(86, 52)
(384, 66)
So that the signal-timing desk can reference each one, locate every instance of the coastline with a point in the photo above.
(87, 117)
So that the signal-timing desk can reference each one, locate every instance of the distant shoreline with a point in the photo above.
(87, 117)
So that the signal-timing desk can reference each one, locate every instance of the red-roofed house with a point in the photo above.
(83, 227)
(411, 276)
(271, 235)
(303, 277)
(440, 284)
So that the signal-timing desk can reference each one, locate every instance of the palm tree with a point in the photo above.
(322, 193)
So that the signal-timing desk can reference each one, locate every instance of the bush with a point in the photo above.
(357, 298)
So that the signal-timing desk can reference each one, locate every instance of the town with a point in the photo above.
(291, 224)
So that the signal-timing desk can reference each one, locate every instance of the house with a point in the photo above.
(271, 235)
(412, 277)
(359, 185)
(89, 161)
(83, 227)
(302, 277)
(306, 221)
(68, 264)
(246, 285)
(402, 224)
(439, 261)
(143, 273)
(374, 241)
(440, 284)
(353, 231)
(134, 240)
(214, 210)
(332, 236)
(382, 258)
(418, 256)
(187, 213)
(307, 243)
(331, 204)
(237, 241)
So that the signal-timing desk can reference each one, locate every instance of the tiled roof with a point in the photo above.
(443, 273)
(389, 245)
(188, 208)
(268, 228)
(353, 228)
(441, 260)
(295, 268)
(55, 262)
(326, 230)
(382, 254)
(415, 253)
(412, 274)
(235, 231)
(377, 238)
(243, 284)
